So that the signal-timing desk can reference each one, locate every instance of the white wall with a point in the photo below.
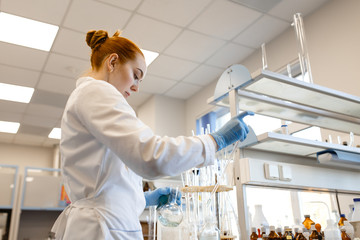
(164, 115)
(26, 156)
(333, 38)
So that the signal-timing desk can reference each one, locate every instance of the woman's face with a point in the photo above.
(126, 77)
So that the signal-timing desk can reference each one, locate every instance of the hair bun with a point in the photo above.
(96, 38)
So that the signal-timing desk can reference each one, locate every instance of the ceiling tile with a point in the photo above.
(6, 137)
(12, 107)
(49, 98)
(18, 76)
(53, 83)
(44, 110)
(28, 139)
(11, 117)
(287, 9)
(259, 5)
(180, 13)
(229, 55)
(203, 75)
(171, 68)
(262, 31)
(194, 46)
(183, 90)
(156, 85)
(130, 5)
(25, 57)
(50, 142)
(34, 130)
(145, 32)
(48, 11)
(66, 66)
(224, 19)
(137, 99)
(40, 121)
(71, 43)
(85, 15)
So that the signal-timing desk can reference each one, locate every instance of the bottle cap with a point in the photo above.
(342, 215)
(296, 229)
(356, 199)
(253, 229)
(308, 216)
(262, 229)
(278, 229)
(300, 231)
(272, 228)
(312, 228)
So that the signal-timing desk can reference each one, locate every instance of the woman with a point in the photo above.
(106, 149)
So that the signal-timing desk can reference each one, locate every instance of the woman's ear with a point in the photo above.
(112, 61)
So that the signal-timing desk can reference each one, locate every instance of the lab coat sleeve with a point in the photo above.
(111, 120)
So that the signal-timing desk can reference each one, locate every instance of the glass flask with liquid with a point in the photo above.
(210, 230)
(171, 214)
(308, 222)
(342, 219)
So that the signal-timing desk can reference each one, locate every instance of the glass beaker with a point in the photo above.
(171, 214)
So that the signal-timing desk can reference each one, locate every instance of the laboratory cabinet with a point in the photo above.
(34, 201)
(289, 176)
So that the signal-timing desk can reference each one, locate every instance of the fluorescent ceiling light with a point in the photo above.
(9, 127)
(55, 133)
(26, 32)
(149, 56)
(15, 93)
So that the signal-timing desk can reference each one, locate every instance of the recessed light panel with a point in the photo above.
(149, 56)
(26, 32)
(55, 133)
(9, 127)
(15, 93)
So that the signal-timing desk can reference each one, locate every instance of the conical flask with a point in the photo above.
(259, 219)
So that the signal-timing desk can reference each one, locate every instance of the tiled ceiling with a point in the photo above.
(197, 40)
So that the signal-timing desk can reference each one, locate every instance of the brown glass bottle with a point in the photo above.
(314, 234)
(253, 235)
(278, 231)
(296, 232)
(308, 222)
(342, 219)
(273, 235)
(300, 235)
(288, 234)
(344, 235)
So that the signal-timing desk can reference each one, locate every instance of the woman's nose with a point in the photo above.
(134, 88)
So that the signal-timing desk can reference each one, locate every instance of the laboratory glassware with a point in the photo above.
(302, 49)
(171, 214)
(356, 213)
(308, 222)
(263, 56)
(210, 230)
(259, 219)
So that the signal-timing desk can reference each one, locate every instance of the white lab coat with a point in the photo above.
(106, 150)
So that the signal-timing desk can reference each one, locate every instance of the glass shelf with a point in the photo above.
(287, 144)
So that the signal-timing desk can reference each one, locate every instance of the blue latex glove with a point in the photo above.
(235, 129)
(160, 197)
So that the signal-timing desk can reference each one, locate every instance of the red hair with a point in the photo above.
(102, 45)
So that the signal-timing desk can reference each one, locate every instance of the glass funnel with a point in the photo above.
(170, 214)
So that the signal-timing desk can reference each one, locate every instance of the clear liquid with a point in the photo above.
(168, 223)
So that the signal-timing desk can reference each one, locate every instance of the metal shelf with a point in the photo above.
(290, 89)
(276, 95)
(287, 144)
